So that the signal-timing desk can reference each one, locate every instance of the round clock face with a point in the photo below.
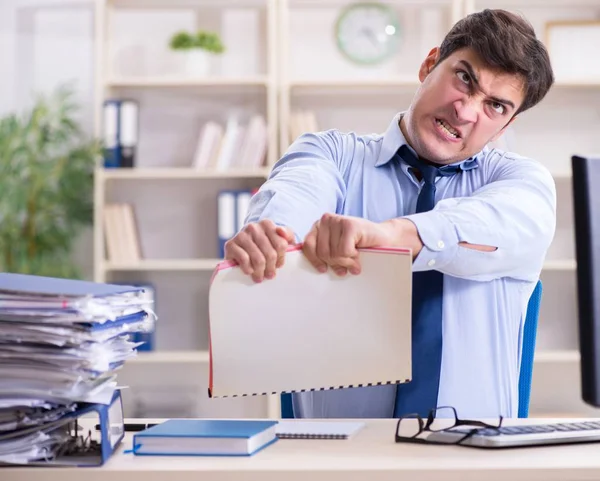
(367, 33)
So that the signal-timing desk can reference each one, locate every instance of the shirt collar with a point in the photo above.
(393, 139)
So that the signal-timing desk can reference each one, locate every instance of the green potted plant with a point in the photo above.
(198, 50)
(46, 185)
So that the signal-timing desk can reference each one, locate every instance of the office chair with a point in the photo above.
(528, 351)
(527, 356)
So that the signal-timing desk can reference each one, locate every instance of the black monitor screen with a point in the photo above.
(586, 202)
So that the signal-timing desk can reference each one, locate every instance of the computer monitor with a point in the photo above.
(586, 206)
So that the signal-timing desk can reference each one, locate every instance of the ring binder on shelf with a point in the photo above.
(78, 444)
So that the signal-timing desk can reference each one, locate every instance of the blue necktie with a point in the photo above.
(420, 395)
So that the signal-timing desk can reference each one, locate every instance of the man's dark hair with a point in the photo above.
(507, 42)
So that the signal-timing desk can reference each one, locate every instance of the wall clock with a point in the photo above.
(367, 33)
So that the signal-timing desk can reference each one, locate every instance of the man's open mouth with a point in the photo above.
(447, 129)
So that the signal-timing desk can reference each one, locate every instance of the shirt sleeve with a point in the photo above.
(304, 184)
(515, 213)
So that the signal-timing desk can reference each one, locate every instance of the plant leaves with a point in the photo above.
(46, 176)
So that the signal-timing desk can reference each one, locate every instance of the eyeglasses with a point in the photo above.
(413, 429)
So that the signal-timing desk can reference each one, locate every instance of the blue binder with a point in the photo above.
(232, 208)
(111, 133)
(55, 287)
(85, 447)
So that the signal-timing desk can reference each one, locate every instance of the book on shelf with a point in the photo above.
(121, 234)
(302, 121)
(235, 145)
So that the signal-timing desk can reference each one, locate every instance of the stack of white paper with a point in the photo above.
(61, 344)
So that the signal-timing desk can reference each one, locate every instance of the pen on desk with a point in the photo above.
(131, 427)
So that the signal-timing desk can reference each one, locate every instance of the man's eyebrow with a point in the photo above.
(470, 71)
(473, 76)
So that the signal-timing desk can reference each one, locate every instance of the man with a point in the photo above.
(478, 220)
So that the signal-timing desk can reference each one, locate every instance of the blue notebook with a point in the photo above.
(205, 437)
(30, 285)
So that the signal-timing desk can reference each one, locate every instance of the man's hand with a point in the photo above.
(334, 239)
(259, 248)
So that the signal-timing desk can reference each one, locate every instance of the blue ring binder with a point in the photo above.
(81, 449)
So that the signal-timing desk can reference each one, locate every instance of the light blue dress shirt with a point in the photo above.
(506, 201)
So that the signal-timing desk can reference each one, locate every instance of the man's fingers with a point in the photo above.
(309, 248)
(342, 250)
(346, 252)
(286, 233)
(322, 242)
(334, 230)
(264, 241)
(259, 248)
(280, 244)
(257, 258)
(235, 253)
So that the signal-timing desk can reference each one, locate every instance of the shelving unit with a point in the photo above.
(174, 202)
(181, 173)
(164, 265)
(169, 82)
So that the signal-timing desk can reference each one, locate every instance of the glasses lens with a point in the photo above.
(444, 418)
(409, 426)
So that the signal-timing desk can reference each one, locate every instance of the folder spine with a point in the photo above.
(369, 384)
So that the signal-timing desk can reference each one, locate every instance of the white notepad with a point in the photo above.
(317, 429)
(305, 330)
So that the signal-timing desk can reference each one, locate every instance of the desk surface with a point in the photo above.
(372, 455)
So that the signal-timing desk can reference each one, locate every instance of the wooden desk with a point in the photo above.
(371, 455)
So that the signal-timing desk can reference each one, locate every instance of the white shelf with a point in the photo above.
(560, 265)
(140, 4)
(473, 5)
(562, 176)
(171, 82)
(210, 264)
(567, 84)
(560, 356)
(164, 265)
(181, 173)
(328, 4)
(175, 357)
(304, 85)
(355, 82)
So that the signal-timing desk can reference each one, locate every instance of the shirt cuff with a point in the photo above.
(439, 238)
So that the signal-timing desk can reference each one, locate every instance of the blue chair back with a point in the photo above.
(527, 356)
(287, 411)
(528, 351)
